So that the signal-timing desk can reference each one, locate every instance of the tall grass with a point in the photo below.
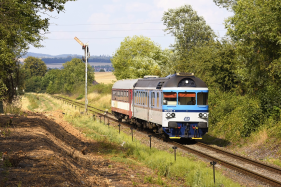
(193, 172)
(14, 107)
(33, 100)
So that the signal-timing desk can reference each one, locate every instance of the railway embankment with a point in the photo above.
(57, 144)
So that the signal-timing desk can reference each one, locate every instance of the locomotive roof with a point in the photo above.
(171, 81)
(125, 84)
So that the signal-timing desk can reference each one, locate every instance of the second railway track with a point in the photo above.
(266, 173)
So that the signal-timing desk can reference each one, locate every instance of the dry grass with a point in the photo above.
(260, 138)
(99, 101)
(105, 77)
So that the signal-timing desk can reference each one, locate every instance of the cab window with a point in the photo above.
(169, 98)
(187, 98)
(202, 98)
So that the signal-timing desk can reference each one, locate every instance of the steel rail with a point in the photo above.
(201, 154)
(248, 160)
(78, 103)
(255, 175)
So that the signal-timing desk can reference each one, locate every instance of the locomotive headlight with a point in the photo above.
(203, 115)
(170, 115)
(167, 115)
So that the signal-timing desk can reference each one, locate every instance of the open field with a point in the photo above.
(105, 77)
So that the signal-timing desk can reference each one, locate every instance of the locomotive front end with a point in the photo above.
(185, 108)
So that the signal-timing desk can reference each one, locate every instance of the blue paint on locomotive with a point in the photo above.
(186, 129)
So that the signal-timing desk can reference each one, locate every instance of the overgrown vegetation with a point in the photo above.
(241, 70)
(121, 148)
(21, 26)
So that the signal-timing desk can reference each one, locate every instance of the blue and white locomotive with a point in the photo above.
(175, 106)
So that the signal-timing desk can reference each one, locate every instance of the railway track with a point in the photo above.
(273, 171)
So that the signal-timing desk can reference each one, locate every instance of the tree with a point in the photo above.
(137, 56)
(188, 28)
(255, 27)
(21, 26)
(34, 67)
(74, 73)
(256, 30)
(228, 4)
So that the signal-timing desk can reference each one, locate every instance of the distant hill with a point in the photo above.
(63, 60)
(59, 59)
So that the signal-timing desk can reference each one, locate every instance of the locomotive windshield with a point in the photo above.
(202, 98)
(187, 98)
(169, 98)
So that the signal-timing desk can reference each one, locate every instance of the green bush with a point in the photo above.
(101, 88)
(233, 116)
(80, 97)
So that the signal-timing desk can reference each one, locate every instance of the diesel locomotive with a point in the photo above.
(175, 106)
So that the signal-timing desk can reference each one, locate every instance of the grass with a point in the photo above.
(14, 107)
(33, 100)
(191, 171)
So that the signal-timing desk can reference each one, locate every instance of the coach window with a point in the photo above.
(202, 98)
(187, 98)
(152, 98)
(169, 98)
(125, 96)
(157, 99)
(138, 97)
(145, 98)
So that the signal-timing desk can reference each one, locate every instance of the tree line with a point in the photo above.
(242, 70)
(39, 79)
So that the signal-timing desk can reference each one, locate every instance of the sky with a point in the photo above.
(105, 24)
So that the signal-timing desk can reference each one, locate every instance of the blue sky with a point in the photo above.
(104, 24)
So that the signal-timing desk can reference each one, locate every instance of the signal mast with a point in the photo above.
(85, 47)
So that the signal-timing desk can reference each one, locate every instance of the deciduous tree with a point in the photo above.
(138, 56)
(20, 26)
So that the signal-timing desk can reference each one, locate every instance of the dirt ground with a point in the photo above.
(41, 149)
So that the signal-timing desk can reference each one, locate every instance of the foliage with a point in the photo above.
(34, 67)
(233, 116)
(255, 28)
(20, 26)
(189, 29)
(136, 57)
(225, 3)
(66, 79)
(80, 97)
(185, 168)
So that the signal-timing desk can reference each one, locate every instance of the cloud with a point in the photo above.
(111, 8)
(138, 7)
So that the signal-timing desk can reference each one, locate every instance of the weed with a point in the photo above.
(160, 181)
(110, 142)
(80, 97)
(135, 183)
(148, 179)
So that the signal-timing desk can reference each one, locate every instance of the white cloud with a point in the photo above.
(138, 7)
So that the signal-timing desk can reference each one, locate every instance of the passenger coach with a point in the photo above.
(175, 106)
